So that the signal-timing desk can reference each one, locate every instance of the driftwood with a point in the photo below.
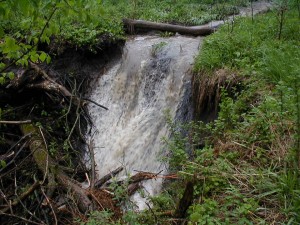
(147, 25)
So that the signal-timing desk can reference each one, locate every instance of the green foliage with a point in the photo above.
(26, 24)
(171, 11)
(245, 46)
(2, 164)
(246, 162)
(100, 218)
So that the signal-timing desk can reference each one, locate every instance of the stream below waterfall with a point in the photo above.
(152, 77)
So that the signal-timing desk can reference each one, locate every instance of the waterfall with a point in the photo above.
(152, 77)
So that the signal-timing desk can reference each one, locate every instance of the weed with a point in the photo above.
(157, 48)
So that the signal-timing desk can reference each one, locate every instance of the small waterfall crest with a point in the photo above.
(152, 77)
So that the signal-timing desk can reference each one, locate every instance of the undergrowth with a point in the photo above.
(248, 170)
(188, 12)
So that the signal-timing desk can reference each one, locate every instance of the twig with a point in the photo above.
(155, 217)
(74, 125)
(88, 179)
(97, 104)
(92, 155)
(15, 122)
(49, 203)
(21, 218)
(5, 199)
(7, 155)
(47, 160)
(99, 203)
(22, 196)
(11, 161)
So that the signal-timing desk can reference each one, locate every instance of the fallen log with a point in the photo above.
(51, 170)
(147, 25)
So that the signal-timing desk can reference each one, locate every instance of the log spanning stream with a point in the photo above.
(152, 77)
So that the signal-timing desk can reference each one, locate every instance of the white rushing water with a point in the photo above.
(153, 76)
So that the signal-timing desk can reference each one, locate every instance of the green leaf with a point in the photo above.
(35, 40)
(1, 32)
(48, 60)
(3, 163)
(2, 80)
(11, 75)
(34, 56)
(10, 45)
(43, 56)
(2, 65)
(195, 217)
(2, 11)
(45, 38)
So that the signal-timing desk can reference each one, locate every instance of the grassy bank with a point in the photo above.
(247, 169)
(188, 12)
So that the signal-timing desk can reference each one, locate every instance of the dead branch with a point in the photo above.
(141, 176)
(15, 122)
(93, 165)
(21, 218)
(185, 201)
(97, 104)
(107, 177)
(52, 86)
(7, 155)
(21, 197)
(132, 188)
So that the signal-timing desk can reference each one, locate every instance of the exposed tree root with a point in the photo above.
(207, 92)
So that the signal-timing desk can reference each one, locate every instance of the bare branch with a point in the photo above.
(15, 122)
(22, 196)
